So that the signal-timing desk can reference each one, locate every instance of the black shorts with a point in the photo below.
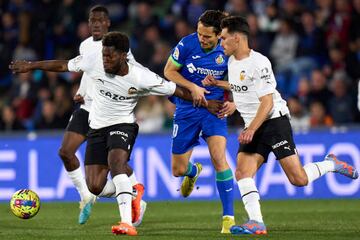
(79, 122)
(101, 141)
(274, 135)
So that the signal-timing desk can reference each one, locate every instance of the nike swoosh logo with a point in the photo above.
(228, 190)
(101, 80)
(195, 57)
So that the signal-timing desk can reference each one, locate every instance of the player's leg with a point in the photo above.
(290, 162)
(119, 144)
(247, 165)
(74, 136)
(185, 138)
(224, 180)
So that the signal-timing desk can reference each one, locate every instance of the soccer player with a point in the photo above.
(113, 128)
(76, 131)
(195, 56)
(267, 127)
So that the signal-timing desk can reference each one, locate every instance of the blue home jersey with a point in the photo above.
(195, 65)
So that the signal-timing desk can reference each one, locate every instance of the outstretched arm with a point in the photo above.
(21, 66)
(213, 106)
(211, 81)
(171, 72)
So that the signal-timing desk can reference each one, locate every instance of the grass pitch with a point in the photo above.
(295, 219)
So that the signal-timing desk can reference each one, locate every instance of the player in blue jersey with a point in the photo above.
(194, 57)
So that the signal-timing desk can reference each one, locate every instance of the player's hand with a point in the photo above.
(78, 99)
(227, 109)
(209, 80)
(246, 136)
(214, 106)
(20, 66)
(198, 96)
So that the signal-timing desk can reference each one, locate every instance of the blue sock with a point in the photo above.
(225, 186)
(191, 171)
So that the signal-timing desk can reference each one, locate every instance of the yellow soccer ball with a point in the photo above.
(25, 203)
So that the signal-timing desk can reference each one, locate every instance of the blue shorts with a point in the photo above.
(186, 131)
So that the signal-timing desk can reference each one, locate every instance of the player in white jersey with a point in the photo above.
(113, 128)
(77, 129)
(267, 126)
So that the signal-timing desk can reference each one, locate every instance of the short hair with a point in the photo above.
(235, 24)
(117, 40)
(100, 8)
(212, 18)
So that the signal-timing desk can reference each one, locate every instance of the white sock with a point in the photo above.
(109, 190)
(318, 169)
(78, 180)
(133, 179)
(124, 197)
(250, 197)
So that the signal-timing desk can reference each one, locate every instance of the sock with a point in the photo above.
(124, 196)
(318, 169)
(191, 170)
(133, 179)
(225, 186)
(109, 190)
(78, 180)
(250, 197)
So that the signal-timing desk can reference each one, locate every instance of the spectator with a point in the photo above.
(318, 116)
(342, 104)
(300, 119)
(8, 121)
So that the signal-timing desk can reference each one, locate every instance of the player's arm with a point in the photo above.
(21, 66)
(213, 106)
(211, 81)
(171, 72)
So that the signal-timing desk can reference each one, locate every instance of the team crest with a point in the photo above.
(242, 75)
(132, 90)
(219, 59)
(176, 54)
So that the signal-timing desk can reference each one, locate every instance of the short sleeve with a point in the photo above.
(81, 63)
(264, 78)
(152, 84)
(179, 53)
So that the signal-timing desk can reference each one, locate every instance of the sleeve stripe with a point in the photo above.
(175, 62)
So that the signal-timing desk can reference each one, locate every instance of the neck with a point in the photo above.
(242, 52)
(124, 69)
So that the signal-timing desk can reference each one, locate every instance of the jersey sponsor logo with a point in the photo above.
(237, 88)
(242, 75)
(132, 90)
(113, 96)
(195, 57)
(279, 144)
(204, 71)
(220, 59)
(176, 54)
(191, 68)
(121, 133)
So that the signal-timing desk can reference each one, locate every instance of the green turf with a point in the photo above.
(305, 219)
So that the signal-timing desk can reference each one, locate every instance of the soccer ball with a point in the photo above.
(25, 203)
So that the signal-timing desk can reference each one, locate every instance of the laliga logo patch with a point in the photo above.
(242, 75)
(219, 59)
(132, 90)
(176, 54)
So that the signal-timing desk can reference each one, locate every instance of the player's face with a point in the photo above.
(99, 24)
(112, 60)
(228, 42)
(207, 37)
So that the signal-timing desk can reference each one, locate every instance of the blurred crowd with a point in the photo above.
(314, 46)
